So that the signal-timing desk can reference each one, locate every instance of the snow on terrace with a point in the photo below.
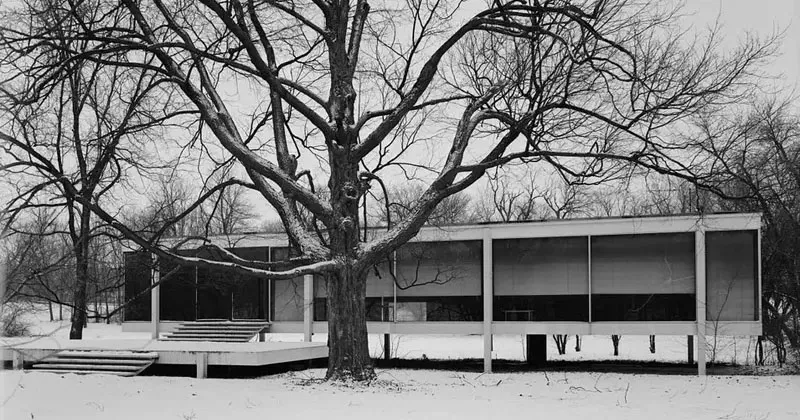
(403, 394)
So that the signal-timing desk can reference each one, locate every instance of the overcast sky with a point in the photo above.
(761, 16)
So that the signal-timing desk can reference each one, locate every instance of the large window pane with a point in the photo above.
(177, 300)
(731, 276)
(541, 279)
(439, 281)
(643, 277)
(250, 293)
(137, 280)
(287, 300)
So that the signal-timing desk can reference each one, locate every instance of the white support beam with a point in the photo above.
(201, 360)
(758, 276)
(700, 282)
(308, 307)
(18, 359)
(589, 275)
(155, 298)
(488, 294)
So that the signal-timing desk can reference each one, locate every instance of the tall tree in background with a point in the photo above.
(67, 122)
(756, 157)
(577, 85)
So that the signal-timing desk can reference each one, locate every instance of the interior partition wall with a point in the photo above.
(643, 277)
(541, 279)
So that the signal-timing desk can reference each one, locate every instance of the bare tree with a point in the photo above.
(531, 197)
(573, 85)
(68, 120)
(451, 210)
(615, 339)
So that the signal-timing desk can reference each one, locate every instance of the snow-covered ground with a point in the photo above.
(403, 394)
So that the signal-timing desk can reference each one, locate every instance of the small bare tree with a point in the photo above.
(615, 339)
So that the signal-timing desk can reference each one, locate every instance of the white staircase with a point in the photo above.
(217, 330)
(108, 362)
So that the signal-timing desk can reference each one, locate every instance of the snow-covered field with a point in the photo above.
(403, 394)
(423, 394)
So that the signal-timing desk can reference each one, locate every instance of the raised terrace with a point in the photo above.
(29, 351)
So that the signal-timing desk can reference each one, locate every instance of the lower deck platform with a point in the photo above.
(23, 351)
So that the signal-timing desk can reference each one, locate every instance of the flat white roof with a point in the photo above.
(534, 229)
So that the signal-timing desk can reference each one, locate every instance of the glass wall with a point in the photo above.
(643, 277)
(137, 280)
(541, 279)
(649, 277)
(439, 281)
(732, 276)
(205, 293)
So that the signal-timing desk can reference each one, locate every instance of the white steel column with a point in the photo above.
(589, 275)
(308, 307)
(758, 276)
(488, 295)
(394, 287)
(155, 297)
(700, 283)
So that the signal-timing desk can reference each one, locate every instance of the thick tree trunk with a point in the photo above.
(348, 357)
(81, 245)
(78, 319)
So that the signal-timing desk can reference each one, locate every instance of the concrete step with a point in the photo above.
(221, 332)
(88, 372)
(226, 326)
(225, 331)
(233, 330)
(108, 354)
(219, 340)
(81, 360)
(74, 366)
(221, 327)
(111, 362)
